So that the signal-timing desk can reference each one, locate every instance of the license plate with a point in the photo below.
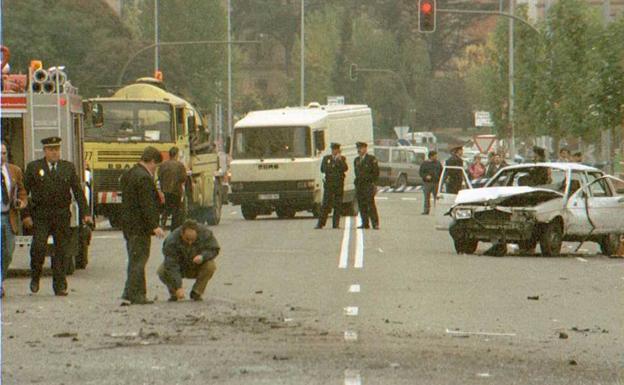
(268, 197)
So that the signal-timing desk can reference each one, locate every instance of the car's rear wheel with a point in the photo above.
(401, 182)
(249, 212)
(528, 246)
(551, 239)
(609, 244)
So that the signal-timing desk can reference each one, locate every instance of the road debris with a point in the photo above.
(533, 297)
(65, 335)
(563, 335)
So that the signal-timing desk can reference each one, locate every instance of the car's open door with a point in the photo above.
(446, 198)
(605, 204)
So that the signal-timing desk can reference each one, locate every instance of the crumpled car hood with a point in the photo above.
(497, 195)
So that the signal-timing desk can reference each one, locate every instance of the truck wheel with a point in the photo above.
(285, 212)
(213, 215)
(249, 213)
(465, 245)
(551, 239)
(528, 246)
(401, 182)
(115, 221)
(609, 244)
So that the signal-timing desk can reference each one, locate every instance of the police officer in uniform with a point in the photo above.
(51, 182)
(366, 175)
(454, 178)
(334, 166)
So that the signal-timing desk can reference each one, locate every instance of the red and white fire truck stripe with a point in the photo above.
(109, 197)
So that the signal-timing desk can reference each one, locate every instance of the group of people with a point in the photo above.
(366, 167)
(42, 195)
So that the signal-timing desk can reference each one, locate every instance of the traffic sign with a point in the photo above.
(483, 119)
(484, 143)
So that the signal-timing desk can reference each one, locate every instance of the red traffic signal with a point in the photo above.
(426, 15)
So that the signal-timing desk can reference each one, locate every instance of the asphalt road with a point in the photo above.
(293, 305)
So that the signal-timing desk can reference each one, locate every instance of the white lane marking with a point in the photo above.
(483, 375)
(381, 198)
(288, 319)
(107, 236)
(344, 249)
(352, 377)
(350, 335)
(233, 213)
(380, 250)
(581, 259)
(351, 311)
(359, 246)
(409, 199)
(355, 288)
(462, 333)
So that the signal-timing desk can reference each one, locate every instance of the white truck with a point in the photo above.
(276, 157)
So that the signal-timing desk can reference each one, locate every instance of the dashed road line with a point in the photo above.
(410, 199)
(344, 248)
(352, 377)
(355, 288)
(351, 311)
(381, 198)
(489, 334)
(350, 335)
(107, 236)
(581, 259)
(359, 246)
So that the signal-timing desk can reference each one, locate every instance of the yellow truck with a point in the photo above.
(118, 128)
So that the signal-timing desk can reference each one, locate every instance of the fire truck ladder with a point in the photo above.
(45, 116)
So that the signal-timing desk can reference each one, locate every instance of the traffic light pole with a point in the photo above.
(490, 13)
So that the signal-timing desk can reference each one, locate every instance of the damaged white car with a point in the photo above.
(545, 203)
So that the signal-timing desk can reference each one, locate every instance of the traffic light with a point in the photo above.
(426, 15)
(353, 72)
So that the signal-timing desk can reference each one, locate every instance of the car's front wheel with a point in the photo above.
(551, 239)
(465, 245)
(609, 244)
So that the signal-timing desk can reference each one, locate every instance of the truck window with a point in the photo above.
(319, 141)
(129, 121)
(271, 142)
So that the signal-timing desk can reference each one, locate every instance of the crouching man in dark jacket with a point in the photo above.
(189, 252)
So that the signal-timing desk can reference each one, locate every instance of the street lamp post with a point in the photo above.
(156, 64)
(229, 66)
(302, 96)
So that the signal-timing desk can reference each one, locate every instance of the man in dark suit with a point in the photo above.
(51, 182)
(140, 204)
(189, 252)
(454, 177)
(430, 172)
(366, 175)
(14, 198)
(334, 166)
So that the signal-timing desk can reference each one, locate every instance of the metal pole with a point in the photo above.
(229, 66)
(606, 11)
(302, 98)
(512, 147)
(156, 65)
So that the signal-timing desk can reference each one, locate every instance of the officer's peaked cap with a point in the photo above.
(335, 146)
(51, 141)
(361, 144)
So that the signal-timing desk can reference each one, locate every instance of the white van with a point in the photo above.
(276, 157)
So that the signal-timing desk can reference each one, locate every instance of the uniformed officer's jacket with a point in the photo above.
(140, 202)
(51, 192)
(179, 255)
(366, 170)
(334, 169)
(455, 177)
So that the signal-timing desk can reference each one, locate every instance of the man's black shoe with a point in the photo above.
(376, 227)
(34, 285)
(173, 298)
(142, 302)
(425, 213)
(363, 227)
(195, 297)
(61, 293)
(318, 227)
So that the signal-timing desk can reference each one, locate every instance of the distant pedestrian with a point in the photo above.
(14, 198)
(494, 166)
(171, 176)
(366, 175)
(51, 183)
(454, 177)
(430, 172)
(476, 168)
(140, 202)
(334, 166)
(564, 155)
(577, 157)
(189, 251)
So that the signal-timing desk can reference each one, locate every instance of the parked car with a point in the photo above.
(400, 166)
(545, 203)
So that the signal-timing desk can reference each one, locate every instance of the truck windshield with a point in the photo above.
(128, 121)
(271, 142)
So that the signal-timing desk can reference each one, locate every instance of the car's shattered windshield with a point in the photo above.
(538, 176)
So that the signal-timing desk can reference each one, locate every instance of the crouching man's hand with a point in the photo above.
(198, 260)
(180, 293)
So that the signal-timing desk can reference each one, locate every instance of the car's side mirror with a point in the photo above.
(621, 200)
